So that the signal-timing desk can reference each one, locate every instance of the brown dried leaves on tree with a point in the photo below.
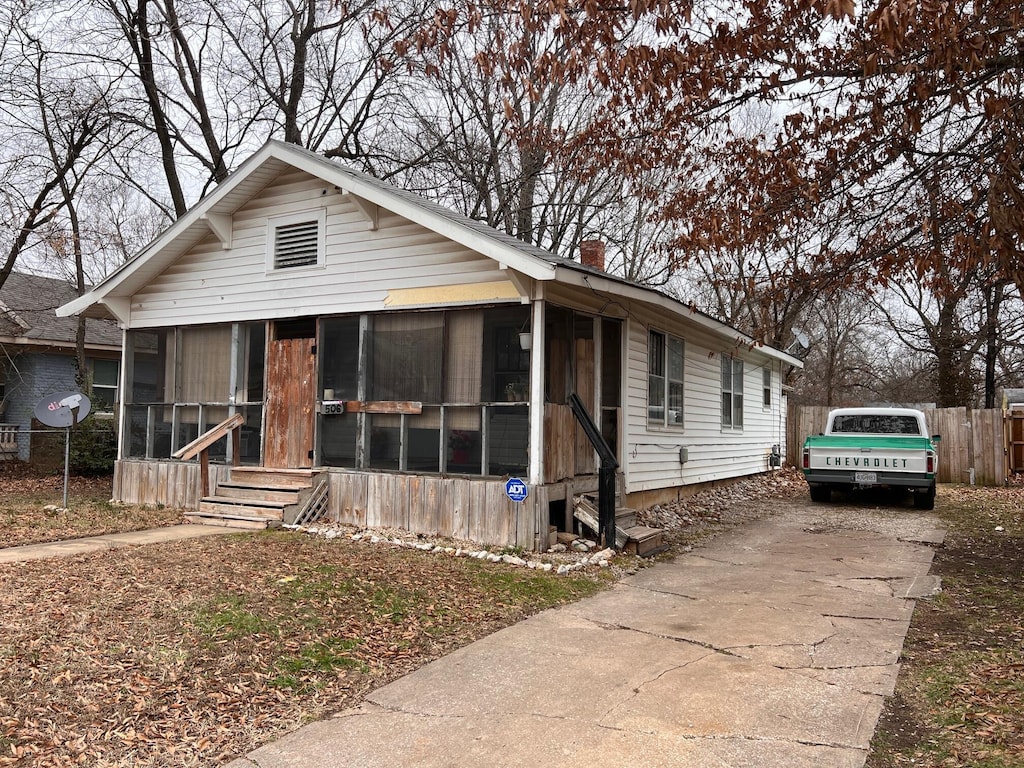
(900, 118)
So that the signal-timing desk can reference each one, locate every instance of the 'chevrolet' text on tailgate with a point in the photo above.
(864, 461)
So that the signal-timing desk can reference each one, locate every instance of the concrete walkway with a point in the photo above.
(774, 645)
(108, 541)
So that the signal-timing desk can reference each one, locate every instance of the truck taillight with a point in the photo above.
(807, 458)
(930, 466)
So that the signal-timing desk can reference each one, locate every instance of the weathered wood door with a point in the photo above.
(291, 372)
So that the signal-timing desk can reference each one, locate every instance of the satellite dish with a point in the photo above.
(800, 346)
(64, 409)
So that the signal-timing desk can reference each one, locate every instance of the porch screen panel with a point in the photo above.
(407, 350)
(558, 349)
(150, 355)
(338, 434)
(508, 437)
(254, 354)
(339, 357)
(464, 367)
(147, 351)
(423, 450)
(204, 371)
(385, 441)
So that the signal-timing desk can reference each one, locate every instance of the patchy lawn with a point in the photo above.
(24, 519)
(960, 696)
(196, 652)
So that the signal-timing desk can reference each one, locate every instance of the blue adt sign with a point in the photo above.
(516, 489)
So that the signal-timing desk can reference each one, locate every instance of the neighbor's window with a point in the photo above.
(732, 392)
(766, 386)
(296, 240)
(104, 385)
(664, 380)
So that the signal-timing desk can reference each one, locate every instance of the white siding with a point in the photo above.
(715, 453)
(213, 285)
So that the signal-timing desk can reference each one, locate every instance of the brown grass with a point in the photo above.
(960, 695)
(196, 652)
(25, 519)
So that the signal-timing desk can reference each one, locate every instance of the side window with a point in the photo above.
(732, 392)
(766, 386)
(104, 385)
(665, 356)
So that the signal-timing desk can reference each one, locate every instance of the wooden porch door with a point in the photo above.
(291, 396)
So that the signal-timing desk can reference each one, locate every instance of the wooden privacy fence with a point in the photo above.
(973, 445)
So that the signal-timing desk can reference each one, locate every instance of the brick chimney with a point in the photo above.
(592, 254)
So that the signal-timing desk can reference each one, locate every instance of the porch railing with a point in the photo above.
(201, 446)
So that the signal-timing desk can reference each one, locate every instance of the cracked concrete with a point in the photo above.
(774, 645)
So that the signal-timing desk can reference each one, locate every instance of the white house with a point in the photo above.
(372, 340)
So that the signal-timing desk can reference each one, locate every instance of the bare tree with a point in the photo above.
(57, 129)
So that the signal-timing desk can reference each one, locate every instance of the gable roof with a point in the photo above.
(275, 157)
(27, 314)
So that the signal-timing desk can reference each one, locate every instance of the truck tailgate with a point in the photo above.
(874, 454)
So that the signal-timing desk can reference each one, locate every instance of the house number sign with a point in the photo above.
(329, 407)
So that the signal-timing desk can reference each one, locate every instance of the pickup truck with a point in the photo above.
(866, 447)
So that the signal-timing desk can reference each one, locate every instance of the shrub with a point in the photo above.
(93, 447)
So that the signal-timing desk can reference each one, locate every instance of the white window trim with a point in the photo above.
(733, 392)
(664, 423)
(276, 222)
(91, 364)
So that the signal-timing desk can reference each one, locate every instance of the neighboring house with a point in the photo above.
(37, 353)
(375, 337)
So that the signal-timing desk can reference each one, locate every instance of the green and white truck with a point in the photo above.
(867, 447)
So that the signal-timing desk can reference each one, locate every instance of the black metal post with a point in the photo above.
(606, 475)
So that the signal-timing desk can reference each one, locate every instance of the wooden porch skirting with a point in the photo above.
(473, 509)
(169, 483)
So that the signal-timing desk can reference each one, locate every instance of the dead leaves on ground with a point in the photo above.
(194, 653)
(961, 689)
(24, 518)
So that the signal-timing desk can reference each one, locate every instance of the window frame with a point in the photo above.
(115, 388)
(766, 387)
(275, 223)
(732, 372)
(663, 381)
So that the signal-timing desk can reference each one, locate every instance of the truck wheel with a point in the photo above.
(925, 499)
(821, 492)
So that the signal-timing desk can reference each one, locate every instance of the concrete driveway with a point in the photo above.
(773, 645)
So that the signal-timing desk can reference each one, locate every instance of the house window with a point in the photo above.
(664, 380)
(296, 241)
(732, 392)
(766, 387)
(104, 385)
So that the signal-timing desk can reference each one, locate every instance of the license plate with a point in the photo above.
(865, 477)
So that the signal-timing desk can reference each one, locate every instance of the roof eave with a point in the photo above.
(617, 287)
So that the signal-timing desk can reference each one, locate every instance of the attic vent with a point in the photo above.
(296, 245)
